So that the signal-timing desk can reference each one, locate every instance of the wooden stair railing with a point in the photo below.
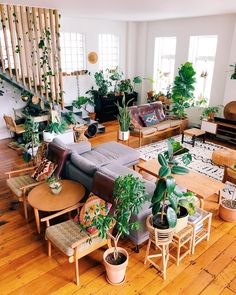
(30, 51)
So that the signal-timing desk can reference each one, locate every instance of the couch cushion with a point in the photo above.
(114, 170)
(119, 152)
(83, 164)
(97, 158)
(15, 183)
(162, 125)
(174, 123)
(79, 148)
(149, 119)
(44, 170)
(65, 234)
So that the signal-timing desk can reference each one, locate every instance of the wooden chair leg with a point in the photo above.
(49, 249)
(147, 251)
(25, 207)
(77, 271)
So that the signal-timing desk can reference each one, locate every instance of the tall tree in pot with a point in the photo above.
(169, 203)
(129, 195)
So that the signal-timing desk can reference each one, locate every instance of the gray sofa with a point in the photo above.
(97, 168)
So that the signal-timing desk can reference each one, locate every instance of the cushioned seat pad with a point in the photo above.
(64, 234)
(15, 183)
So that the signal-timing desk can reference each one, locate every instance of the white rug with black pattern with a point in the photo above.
(201, 159)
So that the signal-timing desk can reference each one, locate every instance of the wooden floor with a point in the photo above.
(25, 267)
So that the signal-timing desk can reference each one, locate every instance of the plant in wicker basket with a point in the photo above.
(168, 200)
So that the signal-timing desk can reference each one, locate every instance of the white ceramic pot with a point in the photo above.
(48, 136)
(182, 222)
(55, 188)
(115, 273)
(123, 135)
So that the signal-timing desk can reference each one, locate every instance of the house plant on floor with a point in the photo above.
(31, 137)
(183, 90)
(129, 195)
(171, 206)
(124, 118)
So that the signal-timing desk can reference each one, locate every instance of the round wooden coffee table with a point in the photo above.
(41, 198)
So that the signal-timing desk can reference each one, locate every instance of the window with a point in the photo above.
(164, 63)
(72, 52)
(108, 51)
(202, 51)
(4, 53)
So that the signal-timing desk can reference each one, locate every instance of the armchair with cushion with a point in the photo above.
(20, 181)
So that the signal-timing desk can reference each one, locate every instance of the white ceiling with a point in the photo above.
(135, 10)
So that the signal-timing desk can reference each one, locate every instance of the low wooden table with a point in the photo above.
(41, 198)
(79, 133)
(193, 133)
(201, 185)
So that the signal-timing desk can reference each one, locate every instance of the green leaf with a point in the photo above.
(156, 208)
(187, 159)
(171, 217)
(162, 160)
(159, 191)
(164, 171)
(173, 201)
(170, 148)
(179, 170)
(188, 205)
(170, 184)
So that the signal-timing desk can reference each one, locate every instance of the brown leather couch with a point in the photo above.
(163, 126)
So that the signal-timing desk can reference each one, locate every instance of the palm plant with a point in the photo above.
(183, 89)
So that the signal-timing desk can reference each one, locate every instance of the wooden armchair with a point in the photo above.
(229, 174)
(20, 183)
(11, 125)
(70, 238)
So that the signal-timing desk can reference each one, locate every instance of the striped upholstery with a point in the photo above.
(15, 183)
(64, 234)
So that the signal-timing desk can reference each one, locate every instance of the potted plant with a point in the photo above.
(70, 119)
(31, 136)
(54, 184)
(171, 206)
(210, 112)
(52, 129)
(183, 90)
(129, 195)
(124, 118)
(83, 102)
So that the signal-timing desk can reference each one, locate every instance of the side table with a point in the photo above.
(41, 198)
(201, 223)
(181, 244)
(79, 133)
(193, 133)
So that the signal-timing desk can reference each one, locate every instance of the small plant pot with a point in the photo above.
(55, 188)
(92, 116)
(123, 135)
(150, 94)
(228, 212)
(211, 116)
(162, 98)
(48, 136)
(115, 272)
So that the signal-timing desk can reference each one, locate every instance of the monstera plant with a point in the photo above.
(183, 90)
(168, 200)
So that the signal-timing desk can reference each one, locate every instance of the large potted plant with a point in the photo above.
(54, 128)
(83, 102)
(31, 136)
(124, 118)
(129, 195)
(170, 205)
(183, 90)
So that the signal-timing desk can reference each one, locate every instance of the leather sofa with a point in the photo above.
(163, 126)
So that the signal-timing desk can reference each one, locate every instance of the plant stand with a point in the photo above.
(201, 227)
(161, 239)
(181, 244)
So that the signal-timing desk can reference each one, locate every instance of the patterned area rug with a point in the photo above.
(201, 159)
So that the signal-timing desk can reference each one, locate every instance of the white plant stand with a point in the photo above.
(201, 227)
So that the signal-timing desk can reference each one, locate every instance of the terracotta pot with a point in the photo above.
(226, 213)
(123, 135)
(115, 273)
(162, 98)
(211, 116)
(92, 116)
(150, 94)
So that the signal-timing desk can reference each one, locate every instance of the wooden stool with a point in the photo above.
(181, 244)
(79, 133)
(193, 133)
(161, 239)
(201, 223)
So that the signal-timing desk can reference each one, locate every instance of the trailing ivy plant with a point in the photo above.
(183, 90)
(167, 198)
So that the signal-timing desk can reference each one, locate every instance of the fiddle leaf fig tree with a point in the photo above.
(167, 198)
(183, 89)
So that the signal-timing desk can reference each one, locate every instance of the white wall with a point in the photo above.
(91, 28)
(182, 29)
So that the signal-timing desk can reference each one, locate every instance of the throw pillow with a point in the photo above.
(149, 119)
(44, 170)
(88, 212)
(135, 123)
